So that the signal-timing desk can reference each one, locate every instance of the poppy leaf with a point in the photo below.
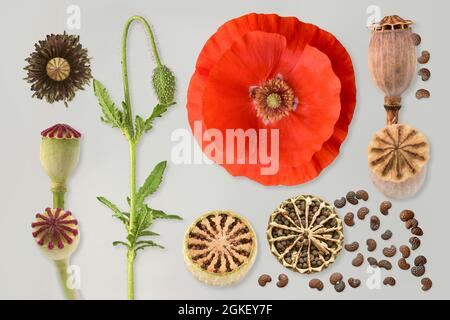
(111, 115)
(151, 184)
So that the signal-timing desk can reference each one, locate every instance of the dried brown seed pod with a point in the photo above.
(371, 245)
(390, 251)
(374, 223)
(351, 247)
(403, 264)
(349, 219)
(420, 261)
(335, 278)
(358, 260)
(386, 235)
(418, 271)
(384, 207)
(362, 195)
(340, 203)
(362, 213)
(424, 73)
(372, 261)
(282, 280)
(422, 94)
(305, 234)
(340, 286)
(264, 279)
(316, 284)
(411, 223)
(416, 39)
(426, 284)
(406, 215)
(417, 231)
(385, 264)
(424, 57)
(415, 243)
(405, 251)
(389, 281)
(351, 198)
(354, 283)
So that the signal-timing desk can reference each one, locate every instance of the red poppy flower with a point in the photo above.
(262, 71)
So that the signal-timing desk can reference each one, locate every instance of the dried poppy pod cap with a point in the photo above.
(219, 248)
(305, 234)
(56, 232)
(398, 156)
(60, 151)
(392, 61)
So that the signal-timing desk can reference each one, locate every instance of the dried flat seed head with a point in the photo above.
(220, 247)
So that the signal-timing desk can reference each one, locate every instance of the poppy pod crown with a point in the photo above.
(263, 71)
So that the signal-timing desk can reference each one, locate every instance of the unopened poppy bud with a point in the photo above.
(164, 84)
(56, 232)
(60, 151)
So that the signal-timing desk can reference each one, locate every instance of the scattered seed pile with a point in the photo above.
(305, 234)
(423, 73)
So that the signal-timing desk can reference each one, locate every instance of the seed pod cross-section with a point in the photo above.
(305, 234)
(392, 61)
(219, 248)
(398, 156)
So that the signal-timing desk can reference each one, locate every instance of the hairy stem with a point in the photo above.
(61, 265)
(132, 218)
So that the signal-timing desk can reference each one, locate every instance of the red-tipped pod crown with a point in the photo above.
(56, 232)
(60, 151)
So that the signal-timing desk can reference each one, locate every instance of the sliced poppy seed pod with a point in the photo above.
(164, 84)
(60, 151)
(56, 232)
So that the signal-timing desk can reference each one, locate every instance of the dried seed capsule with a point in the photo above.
(422, 94)
(403, 264)
(386, 235)
(405, 215)
(411, 223)
(389, 281)
(384, 207)
(349, 219)
(416, 39)
(282, 280)
(374, 223)
(418, 271)
(417, 231)
(385, 264)
(371, 245)
(340, 203)
(390, 251)
(362, 213)
(351, 247)
(264, 279)
(354, 283)
(426, 284)
(405, 251)
(415, 243)
(420, 261)
(372, 261)
(316, 284)
(425, 74)
(424, 57)
(335, 278)
(358, 260)
(351, 198)
(340, 286)
(362, 195)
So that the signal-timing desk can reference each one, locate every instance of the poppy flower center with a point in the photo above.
(273, 100)
(58, 69)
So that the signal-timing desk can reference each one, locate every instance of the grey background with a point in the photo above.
(182, 27)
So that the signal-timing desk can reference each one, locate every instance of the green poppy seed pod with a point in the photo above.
(60, 151)
(164, 84)
(56, 233)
